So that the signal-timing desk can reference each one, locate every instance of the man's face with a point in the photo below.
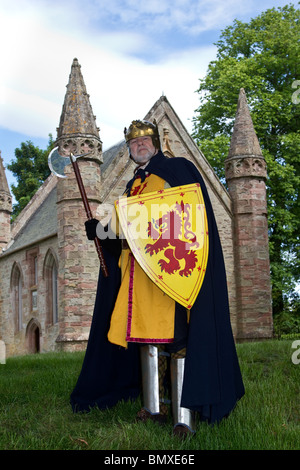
(142, 149)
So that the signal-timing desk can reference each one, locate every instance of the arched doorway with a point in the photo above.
(33, 334)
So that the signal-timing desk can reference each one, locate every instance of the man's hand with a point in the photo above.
(90, 228)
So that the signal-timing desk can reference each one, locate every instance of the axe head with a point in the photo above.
(57, 163)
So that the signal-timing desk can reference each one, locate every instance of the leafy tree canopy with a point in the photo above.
(262, 57)
(30, 168)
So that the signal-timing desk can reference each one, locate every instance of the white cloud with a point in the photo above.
(27, 114)
(112, 41)
(189, 16)
(121, 87)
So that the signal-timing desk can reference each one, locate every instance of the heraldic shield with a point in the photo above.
(167, 233)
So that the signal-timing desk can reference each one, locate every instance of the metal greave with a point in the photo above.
(150, 377)
(181, 416)
(150, 380)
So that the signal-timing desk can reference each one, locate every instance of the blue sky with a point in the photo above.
(130, 52)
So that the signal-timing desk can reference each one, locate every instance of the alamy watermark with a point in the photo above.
(179, 221)
(296, 353)
(2, 352)
(296, 94)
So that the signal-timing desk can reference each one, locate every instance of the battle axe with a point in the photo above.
(57, 165)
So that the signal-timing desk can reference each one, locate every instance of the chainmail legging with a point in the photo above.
(162, 368)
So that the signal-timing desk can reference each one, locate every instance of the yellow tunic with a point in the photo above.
(142, 313)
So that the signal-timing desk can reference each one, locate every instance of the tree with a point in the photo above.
(30, 169)
(262, 57)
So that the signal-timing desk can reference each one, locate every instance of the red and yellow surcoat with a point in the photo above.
(143, 313)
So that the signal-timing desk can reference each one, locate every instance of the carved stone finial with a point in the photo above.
(5, 195)
(245, 156)
(166, 144)
(77, 131)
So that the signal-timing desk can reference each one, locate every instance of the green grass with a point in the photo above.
(35, 412)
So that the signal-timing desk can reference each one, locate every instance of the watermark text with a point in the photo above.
(296, 94)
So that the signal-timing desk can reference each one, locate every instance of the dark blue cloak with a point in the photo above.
(212, 381)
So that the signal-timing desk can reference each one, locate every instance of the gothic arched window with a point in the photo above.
(50, 276)
(17, 303)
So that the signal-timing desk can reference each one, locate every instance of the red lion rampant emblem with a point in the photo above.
(167, 233)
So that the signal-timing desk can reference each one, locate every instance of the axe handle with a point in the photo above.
(89, 214)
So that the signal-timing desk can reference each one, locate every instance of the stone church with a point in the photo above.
(48, 268)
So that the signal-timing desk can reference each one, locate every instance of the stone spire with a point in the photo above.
(246, 172)
(244, 140)
(77, 131)
(244, 157)
(5, 207)
(3, 181)
(78, 260)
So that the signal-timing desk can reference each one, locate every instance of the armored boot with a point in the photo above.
(183, 418)
(153, 369)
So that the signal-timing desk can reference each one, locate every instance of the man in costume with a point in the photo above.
(197, 346)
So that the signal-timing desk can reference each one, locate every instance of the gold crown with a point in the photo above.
(140, 129)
